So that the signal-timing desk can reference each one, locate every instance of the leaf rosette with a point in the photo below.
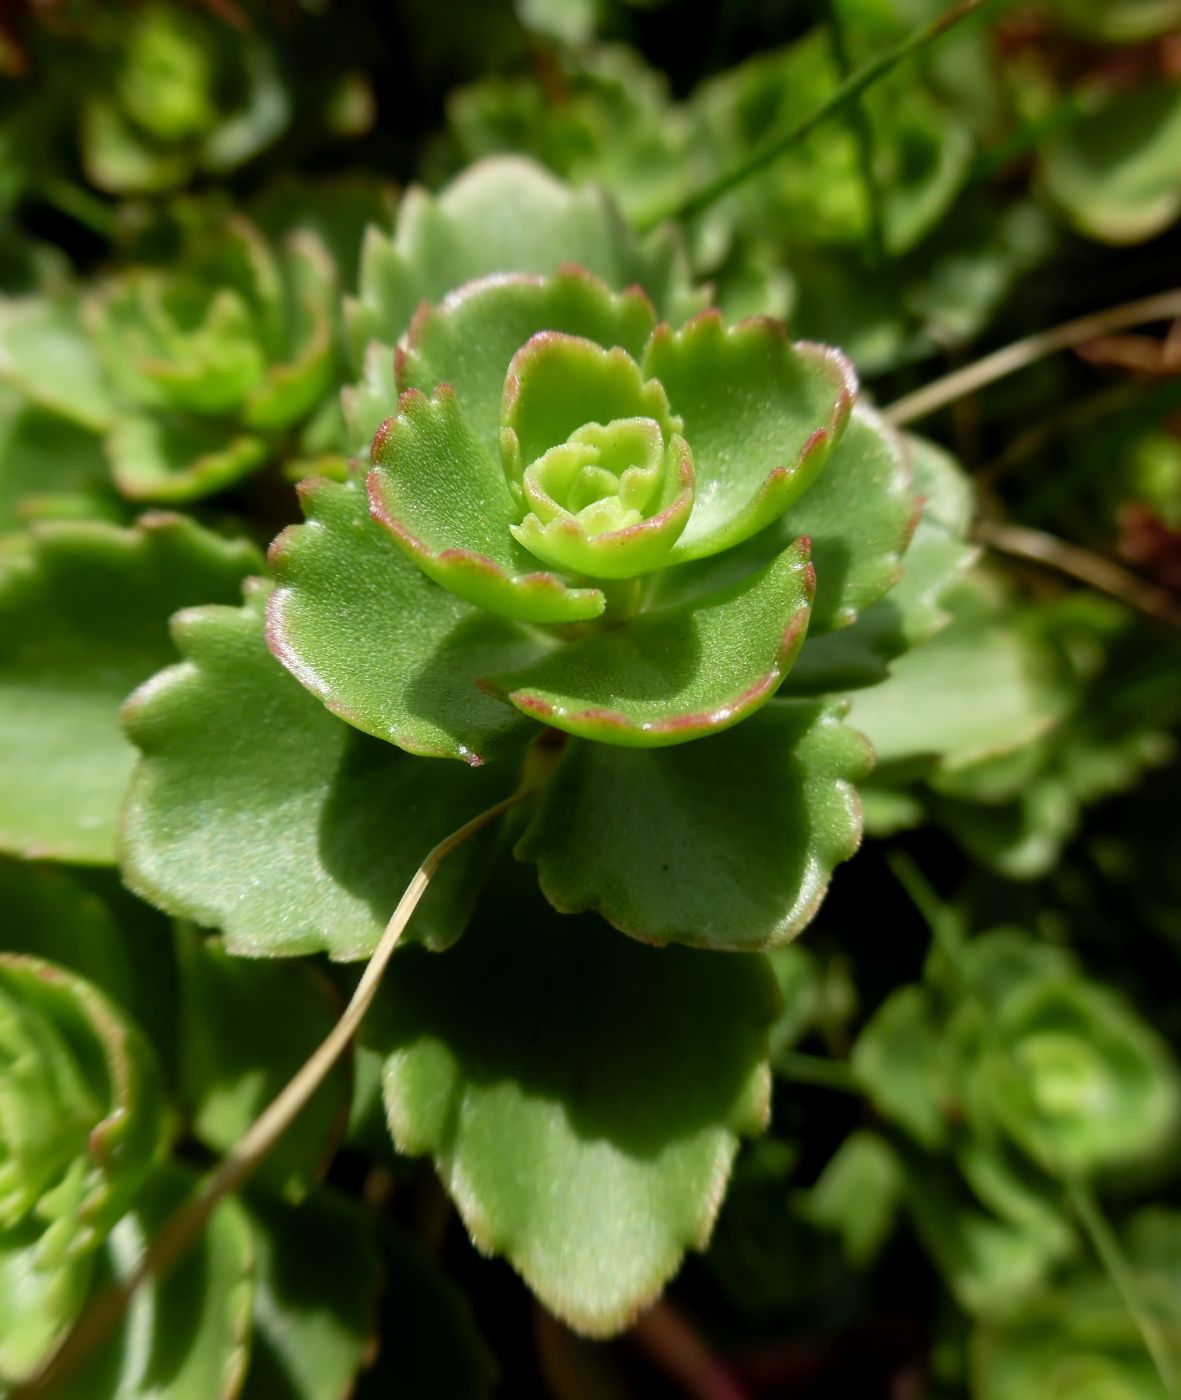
(559, 475)
(196, 371)
(80, 1123)
(214, 361)
(580, 517)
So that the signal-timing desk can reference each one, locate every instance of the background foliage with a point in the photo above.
(928, 1148)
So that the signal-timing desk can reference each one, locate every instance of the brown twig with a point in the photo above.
(672, 1343)
(1082, 564)
(1164, 306)
(185, 1225)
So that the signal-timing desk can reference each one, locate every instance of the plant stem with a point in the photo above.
(859, 124)
(1079, 563)
(672, 1342)
(848, 91)
(78, 204)
(962, 382)
(815, 1069)
(185, 1225)
(942, 921)
(1110, 1254)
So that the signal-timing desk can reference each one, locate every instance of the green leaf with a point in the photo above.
(674, 674)
(991, 1266)
(45, 353)
(1118, 21)
(1116, 172)
(383, 646)
(470, 339)
(1077, 1080)
(187, 1337)
(51, 915)
(175, 460)
(1078, 1337)
(37, 1305)
(857, 1195)
(49, 466)
(229, 739)
(444, 498)
(306, 374)
(900, 1062)
(234, 1061)
(859, 554)
(582, 1096)
(81, 1108)
(652, 839)
(501, 215)
(761, 416)
(316, 1286)
(83, 613)
(980, 687)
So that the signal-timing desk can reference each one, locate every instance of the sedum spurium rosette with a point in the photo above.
(596, 524)
(196, 372)
(80, 1124)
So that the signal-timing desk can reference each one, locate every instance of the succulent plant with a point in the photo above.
(80, 1125)
(197, 371)
(188, 93)
(588, 548)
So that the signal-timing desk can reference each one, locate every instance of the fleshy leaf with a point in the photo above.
(439, 491)
(317, 1276)
(50, 467)
(297, 383)
(912, 611)
(1114, 171)
(860, 516)
(982, 686)
(50, 914)
(229, 738)
(81, 1106)
(582, 1096)
(379, 643)
(83, 620)
(45, 353)
(672, 675)
(761, 416)
(470, 339)
(187, 1337)
(610, 502)
(175, 460)
(502, 215)
(233, 1061)
(653, 840)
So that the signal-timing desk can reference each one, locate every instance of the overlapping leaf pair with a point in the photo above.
(622, 527)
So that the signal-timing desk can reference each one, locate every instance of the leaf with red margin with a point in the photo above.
(761, 415)
(380, 644)
(469, 340)
(582, 1096)
(443, 497)
(256, 811)
(728, 843)
(84, 611)
(673, 675)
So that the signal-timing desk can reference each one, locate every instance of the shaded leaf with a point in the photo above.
(582, 1096)
(83, 614)
(725, 843)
